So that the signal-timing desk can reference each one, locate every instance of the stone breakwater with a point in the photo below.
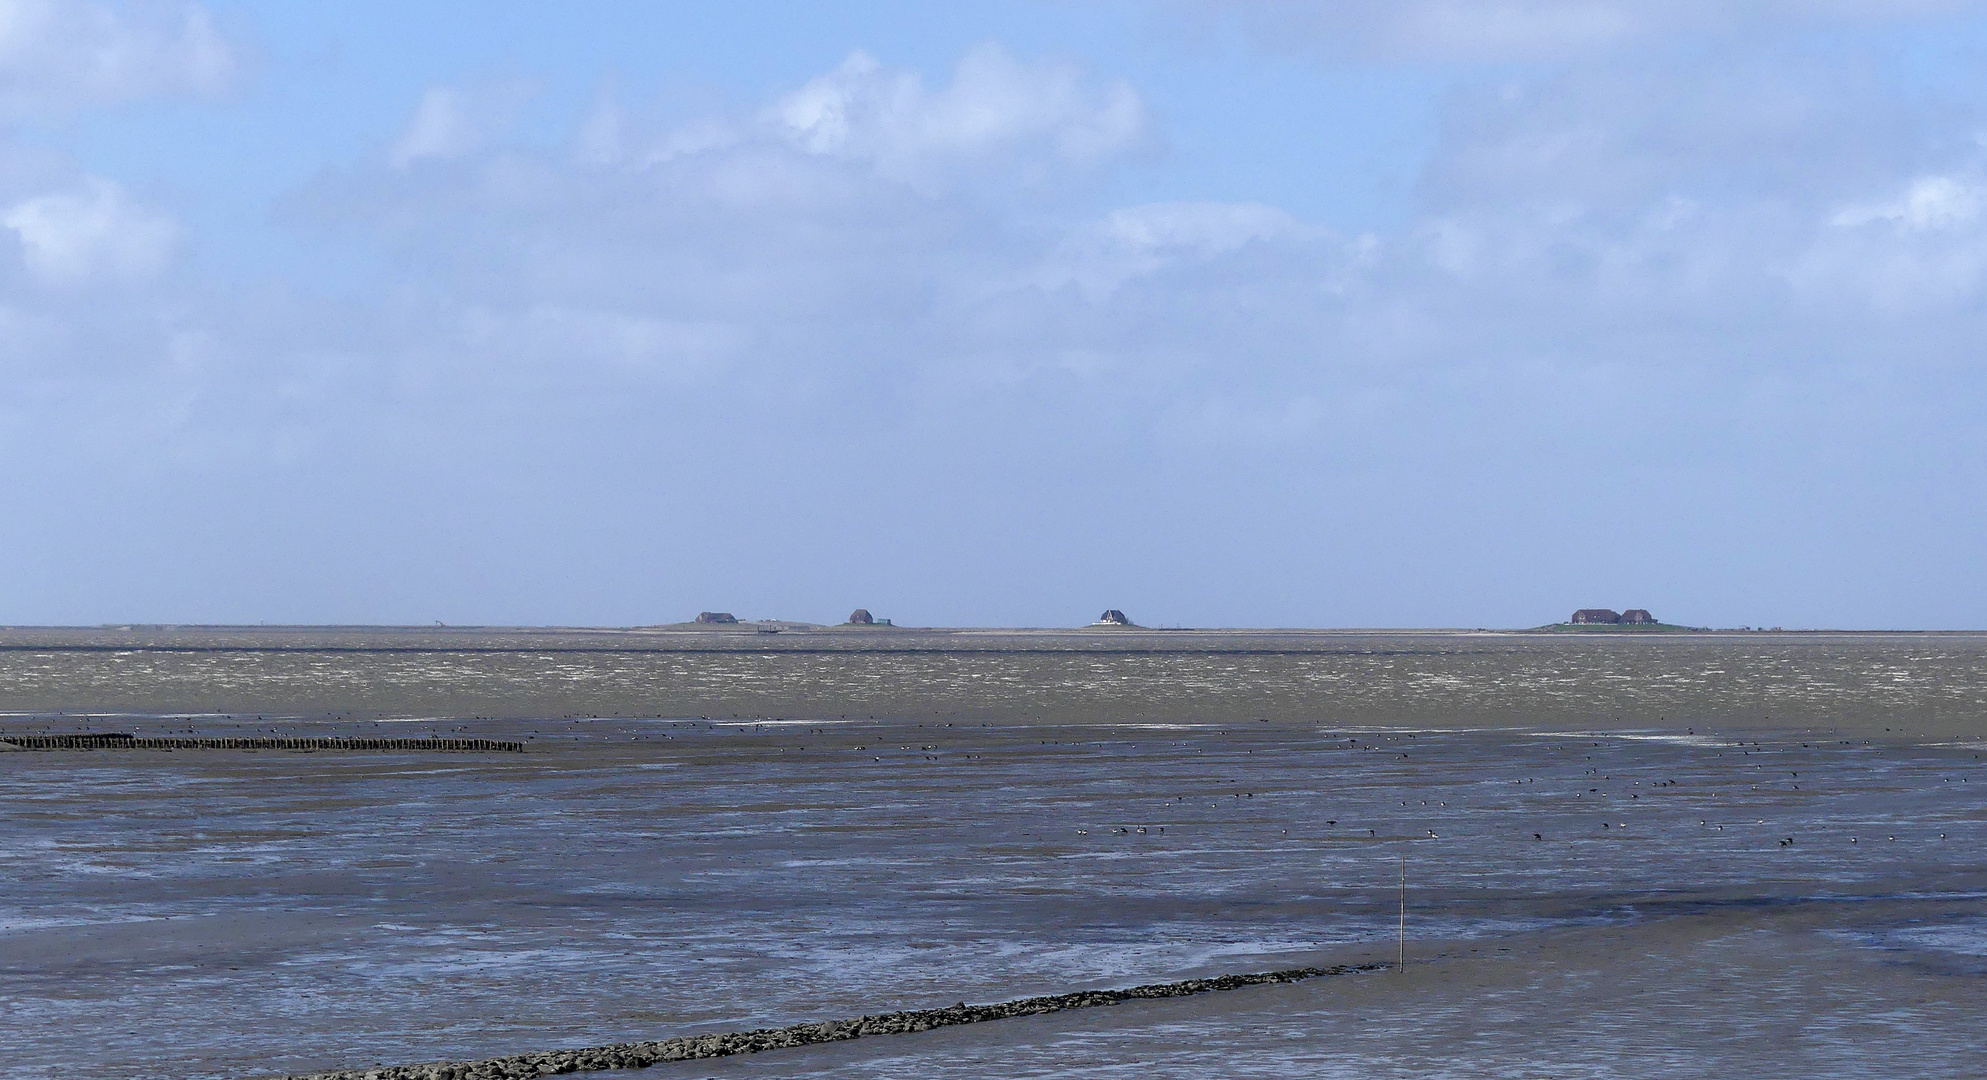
(134, 742)
(696, 1047)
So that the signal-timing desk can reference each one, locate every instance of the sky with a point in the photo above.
(1277, 313)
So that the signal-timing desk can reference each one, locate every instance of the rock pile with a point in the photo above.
(697, 1047)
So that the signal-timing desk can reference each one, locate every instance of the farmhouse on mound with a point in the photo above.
(861, 617)
(1598, 616)
(1113, 617)
(716, 617)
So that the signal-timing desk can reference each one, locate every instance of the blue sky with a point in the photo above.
(1426, 312)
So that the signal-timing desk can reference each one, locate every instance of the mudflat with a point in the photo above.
(1752, 855)
(1929, 685)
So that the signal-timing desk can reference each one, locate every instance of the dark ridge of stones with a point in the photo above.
(133, 742)
(696, 1047)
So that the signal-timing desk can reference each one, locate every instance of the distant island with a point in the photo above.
(1608, 620)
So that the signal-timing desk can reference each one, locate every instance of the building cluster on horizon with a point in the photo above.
(1113, 617)
(1600, 616)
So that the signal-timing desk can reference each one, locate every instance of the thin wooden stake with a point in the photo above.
(1402, 964)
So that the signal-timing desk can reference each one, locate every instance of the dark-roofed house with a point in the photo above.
(1638, 617)
(1592, 616)
(1113, 617)
(716, 617)
(861, 617)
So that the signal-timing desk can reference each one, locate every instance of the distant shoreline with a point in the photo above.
(770, 628)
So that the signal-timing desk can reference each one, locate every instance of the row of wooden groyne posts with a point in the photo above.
(109, 741)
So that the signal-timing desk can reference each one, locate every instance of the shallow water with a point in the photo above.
(1600, 904)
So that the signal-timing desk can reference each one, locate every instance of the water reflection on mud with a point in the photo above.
(1690, 905)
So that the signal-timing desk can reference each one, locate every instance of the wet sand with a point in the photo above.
(1798, 900)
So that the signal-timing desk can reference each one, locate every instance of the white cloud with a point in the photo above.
(995, 106)
(1931, 202)
(1918, 252)
(441, 127)
(451, 122)
(553, 342)
(64, 55)
(602, 136)
(698, 137)
(92, 232)
(1142, 240)
(1198, 228)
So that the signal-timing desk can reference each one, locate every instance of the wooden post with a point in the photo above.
(1402, 962)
